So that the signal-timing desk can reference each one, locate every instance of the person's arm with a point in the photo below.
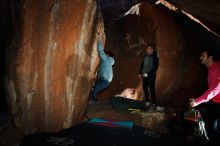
(101, 49)
(155, 65)
(209, 94)
(214, 92)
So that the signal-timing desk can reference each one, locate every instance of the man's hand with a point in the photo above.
(192, 103)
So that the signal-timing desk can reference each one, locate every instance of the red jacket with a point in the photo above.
(213, 92)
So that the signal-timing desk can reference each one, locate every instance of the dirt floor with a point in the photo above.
(175, 131)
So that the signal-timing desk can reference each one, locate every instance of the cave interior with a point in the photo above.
(180, 30)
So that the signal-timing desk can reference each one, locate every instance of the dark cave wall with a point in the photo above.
(179, 68)
(50, 62)
(207, 12)
(4, 14)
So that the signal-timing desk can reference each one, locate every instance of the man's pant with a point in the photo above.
(149, 82)
(100, 85)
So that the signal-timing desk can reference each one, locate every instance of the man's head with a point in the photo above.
(149, 49)
(208, 57)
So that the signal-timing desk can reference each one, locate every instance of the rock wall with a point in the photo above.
(179, 68)
(52, 58)
(208, 13)
(4, 14)
(51, 62)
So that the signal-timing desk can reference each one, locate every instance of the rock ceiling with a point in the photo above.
(206, 11)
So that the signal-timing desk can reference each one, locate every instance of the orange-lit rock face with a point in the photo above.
(48, 79)
(51, 64)
(178, 68)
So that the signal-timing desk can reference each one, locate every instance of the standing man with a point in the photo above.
(210, 99)
(147, 72)
(105, 72)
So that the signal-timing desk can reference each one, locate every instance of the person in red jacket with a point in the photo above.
(209, 101)
(213, 91)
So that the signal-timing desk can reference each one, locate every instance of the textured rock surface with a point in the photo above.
(50, 63)
(154, 24)
(52, 57)
(206, 11)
